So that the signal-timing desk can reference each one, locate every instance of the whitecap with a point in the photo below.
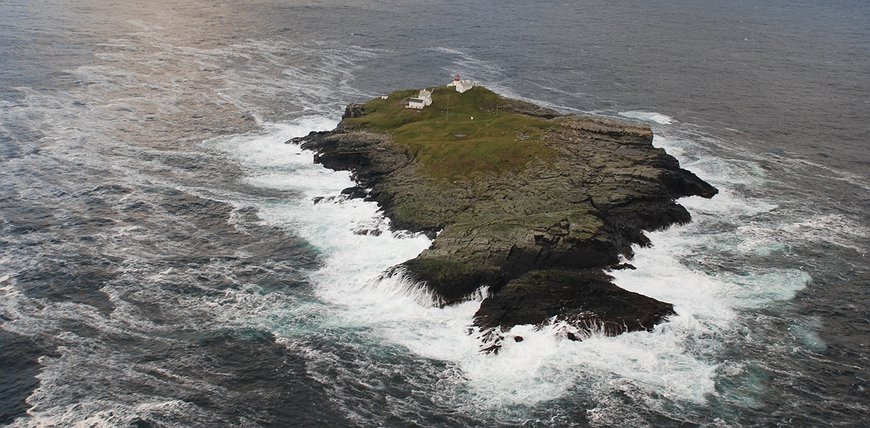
(648, 116)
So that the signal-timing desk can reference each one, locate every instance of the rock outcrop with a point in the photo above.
(540, 236)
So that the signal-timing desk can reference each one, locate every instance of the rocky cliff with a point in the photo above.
(538, 206)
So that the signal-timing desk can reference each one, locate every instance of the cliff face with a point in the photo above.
(542, 234)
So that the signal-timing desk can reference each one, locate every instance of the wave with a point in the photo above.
(648, 116)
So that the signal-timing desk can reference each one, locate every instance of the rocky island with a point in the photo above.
(535, 205)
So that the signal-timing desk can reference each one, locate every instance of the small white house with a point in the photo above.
(424, 99)
(461, 85)
(416, 103)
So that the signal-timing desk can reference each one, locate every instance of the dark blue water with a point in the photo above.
(162, 262)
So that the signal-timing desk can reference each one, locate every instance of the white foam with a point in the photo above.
(648, 116)
(807, 335)
(540, 368)
(836, 229)
(676, 360)
(543, 367)
(351, 277)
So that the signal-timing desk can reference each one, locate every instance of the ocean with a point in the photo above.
(163, 263)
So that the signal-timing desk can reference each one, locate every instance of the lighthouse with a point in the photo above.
(461, 85)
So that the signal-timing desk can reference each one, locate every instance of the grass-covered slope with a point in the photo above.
(459, 134)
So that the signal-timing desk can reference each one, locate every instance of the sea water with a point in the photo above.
(168, 258)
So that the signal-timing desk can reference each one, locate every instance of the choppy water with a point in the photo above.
(162, 262)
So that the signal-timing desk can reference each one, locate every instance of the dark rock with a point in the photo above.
(353, 110)
(451, 280)
(491, 348)
(368, 232)
(585, 299)
(623, 266)
(355, 192)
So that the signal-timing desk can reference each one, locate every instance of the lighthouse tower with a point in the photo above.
(461, 85)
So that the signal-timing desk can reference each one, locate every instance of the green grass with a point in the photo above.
(448, 143)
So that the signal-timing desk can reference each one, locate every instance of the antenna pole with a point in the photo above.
(448, 106)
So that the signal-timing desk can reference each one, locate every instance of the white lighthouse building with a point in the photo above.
(461, 85)
(424, 99)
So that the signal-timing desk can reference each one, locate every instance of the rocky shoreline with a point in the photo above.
(541, 236)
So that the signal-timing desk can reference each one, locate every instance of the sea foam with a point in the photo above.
(648, 116)
(677, 360)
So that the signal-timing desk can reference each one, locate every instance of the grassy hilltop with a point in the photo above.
(445, 138)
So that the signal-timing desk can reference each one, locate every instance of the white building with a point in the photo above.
(424, 99)
(461, 85)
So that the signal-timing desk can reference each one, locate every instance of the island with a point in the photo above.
(534, 205)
